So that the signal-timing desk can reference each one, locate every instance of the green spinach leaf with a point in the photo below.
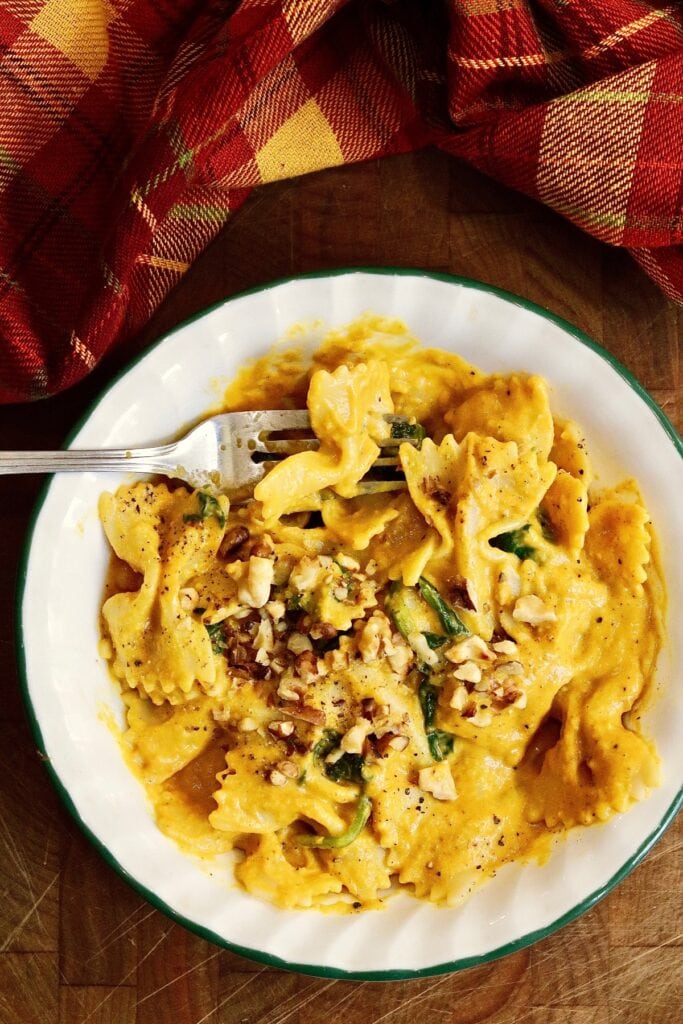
(208, 506)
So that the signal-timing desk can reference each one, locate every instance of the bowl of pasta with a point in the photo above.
(369, 731)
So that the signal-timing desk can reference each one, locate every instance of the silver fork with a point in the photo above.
(229, 453)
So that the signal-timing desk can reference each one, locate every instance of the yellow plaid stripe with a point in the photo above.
(556, 56)
(592, 185)
(162, 263)
(628, 30)
(526, 60)
(82, 351)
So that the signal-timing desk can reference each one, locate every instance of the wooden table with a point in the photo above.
(77, 944)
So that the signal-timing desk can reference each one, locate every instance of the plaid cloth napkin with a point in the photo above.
(131, 129)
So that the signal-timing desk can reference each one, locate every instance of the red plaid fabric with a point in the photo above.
(131, 129)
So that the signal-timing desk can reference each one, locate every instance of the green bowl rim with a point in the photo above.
(151, 897)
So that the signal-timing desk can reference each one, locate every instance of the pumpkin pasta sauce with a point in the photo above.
(411, 689)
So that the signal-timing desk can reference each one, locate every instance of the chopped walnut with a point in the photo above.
(322, 631)
(509, 668)
(281, 728)
(401, 658)
(240, 611)
(370, 637)
(504, 647)
(255, 590)
(306, 665)
(306, 574)
(277, 778)
(369, 707)
(438, 780)
(298, 643)
(276, 610)
(307, 713)
(387, 719)
(247, 725)
(472, 648)
(532, 610)
(288, 688)
(264, 640)
(459, 699)
(288, 769)
(397, 742)
(367, 590)
(352, 741)
(468, 671)
(376, 638)
(347, 562)
(507, 690)
(339, 658)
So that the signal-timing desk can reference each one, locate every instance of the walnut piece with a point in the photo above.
(255, 590)
(438, 780)
(473, 648)
(532, 610)
(469, 672)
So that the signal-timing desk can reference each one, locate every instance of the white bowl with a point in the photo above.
(67, 685)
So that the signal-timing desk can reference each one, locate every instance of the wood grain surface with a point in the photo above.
(77, 945)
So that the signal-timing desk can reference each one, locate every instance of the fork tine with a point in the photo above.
(291, 419)
(289, 447)
(302, 444)
(279, 419)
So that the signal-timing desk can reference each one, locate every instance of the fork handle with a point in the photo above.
(140, 460)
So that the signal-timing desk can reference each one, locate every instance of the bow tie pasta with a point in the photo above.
(359, 691)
